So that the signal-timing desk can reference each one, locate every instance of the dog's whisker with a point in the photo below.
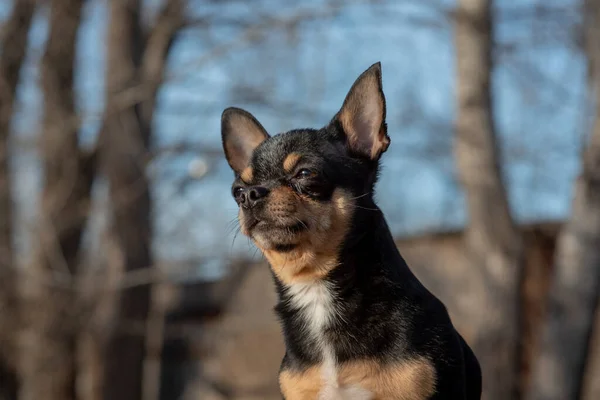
(301, 222)
(358, 197)
(367, 208)
(354, 206)
(232, 224)
(237, 232)
(232, 229)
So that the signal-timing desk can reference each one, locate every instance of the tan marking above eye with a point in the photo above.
(247, 174)
(291, 160)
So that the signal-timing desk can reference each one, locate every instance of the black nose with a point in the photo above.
(254, 195)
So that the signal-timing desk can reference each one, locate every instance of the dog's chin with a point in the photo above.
(279, 237)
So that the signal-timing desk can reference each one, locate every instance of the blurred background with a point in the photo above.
(122, 274)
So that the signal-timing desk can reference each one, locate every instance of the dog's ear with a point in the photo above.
(362, 115)
(241, 134)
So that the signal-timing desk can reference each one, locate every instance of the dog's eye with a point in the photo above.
(305, 173)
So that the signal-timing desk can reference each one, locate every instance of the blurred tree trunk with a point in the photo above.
(51, 319)
(573, 296)
(493, 242)
(13, 46)
(135, 66)
(123, 148)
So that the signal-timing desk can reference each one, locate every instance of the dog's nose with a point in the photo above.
(254, 195)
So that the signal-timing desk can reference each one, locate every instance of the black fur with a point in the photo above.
(387, 315)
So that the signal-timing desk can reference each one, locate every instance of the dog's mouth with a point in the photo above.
(291, 228)
(284, 248)
(281, 237)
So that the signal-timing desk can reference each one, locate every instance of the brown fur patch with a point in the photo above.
(290, 161)
(282, 195)
(300, 386)
(247, 174)
(410, 380)
(317, 251)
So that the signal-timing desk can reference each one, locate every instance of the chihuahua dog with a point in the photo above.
(357, 323)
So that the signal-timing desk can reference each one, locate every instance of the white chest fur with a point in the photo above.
(316, 302)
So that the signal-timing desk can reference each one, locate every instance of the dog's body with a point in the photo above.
(357, 323)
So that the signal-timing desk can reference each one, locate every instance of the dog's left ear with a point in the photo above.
(241, 134)
(362, 115)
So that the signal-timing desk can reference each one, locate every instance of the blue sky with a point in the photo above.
(300, 78)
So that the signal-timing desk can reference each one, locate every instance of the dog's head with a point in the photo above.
(298, 191)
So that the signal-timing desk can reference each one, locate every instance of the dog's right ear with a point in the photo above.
(241, 134)
(362, 115)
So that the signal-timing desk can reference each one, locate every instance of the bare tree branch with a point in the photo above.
(169, 22)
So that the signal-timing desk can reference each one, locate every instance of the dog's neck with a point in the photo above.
(370, 250)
